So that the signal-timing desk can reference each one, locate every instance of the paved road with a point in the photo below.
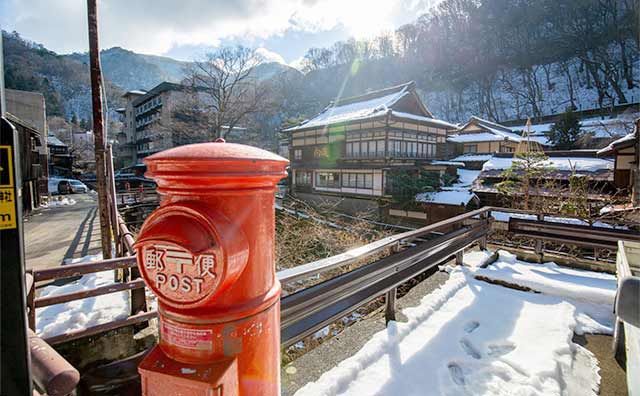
(57, 233)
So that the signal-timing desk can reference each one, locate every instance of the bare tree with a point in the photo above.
(222, 94)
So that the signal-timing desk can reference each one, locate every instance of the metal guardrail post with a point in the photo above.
(460, 257)
(390, 296)
(483, 241)
(390, 305)
(539, 249)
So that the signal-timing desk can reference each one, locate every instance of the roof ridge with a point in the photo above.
(372, 94)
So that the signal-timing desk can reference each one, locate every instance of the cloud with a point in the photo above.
(269, 56)
(157, 26)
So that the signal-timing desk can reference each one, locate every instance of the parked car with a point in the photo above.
(62, 186)
(78, 187)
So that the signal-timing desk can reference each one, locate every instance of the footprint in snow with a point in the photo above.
(496, 350)
(471, 326)
(455, 371)
(470, 349)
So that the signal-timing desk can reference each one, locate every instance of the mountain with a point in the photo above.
(64, 81)
(130, 70)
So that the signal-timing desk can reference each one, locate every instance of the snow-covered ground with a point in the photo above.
(75, 315)
(471, 337)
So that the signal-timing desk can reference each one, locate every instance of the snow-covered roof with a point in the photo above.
(403, 115)
(135, 92)
(371, 105)
(448, 163)
(491, 132)
(54, 141)
(447, 197)
(458, 194)
(478, 137)
(581, 164)
(473, 157)
(596, 127)
(623, 142)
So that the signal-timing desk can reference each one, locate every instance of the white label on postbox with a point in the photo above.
(177, 274)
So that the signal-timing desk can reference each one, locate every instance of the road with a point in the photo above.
(62, 232)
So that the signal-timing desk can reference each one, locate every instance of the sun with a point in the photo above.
(366, 19)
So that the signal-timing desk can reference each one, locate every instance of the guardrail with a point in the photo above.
(312, 308)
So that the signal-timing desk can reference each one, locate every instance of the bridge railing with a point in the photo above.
(410, 253)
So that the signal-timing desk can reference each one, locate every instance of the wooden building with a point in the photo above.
(480, 136)
(349, 148)
(624, 152)
(554, 180)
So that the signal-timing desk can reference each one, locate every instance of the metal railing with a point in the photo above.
(303, 312)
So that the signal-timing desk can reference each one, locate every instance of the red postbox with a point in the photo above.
(208, 254)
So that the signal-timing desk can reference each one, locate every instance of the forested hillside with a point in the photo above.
(499, 59)
(64, 82)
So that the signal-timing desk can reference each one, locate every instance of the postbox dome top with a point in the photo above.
(213, 151)
(214, 166)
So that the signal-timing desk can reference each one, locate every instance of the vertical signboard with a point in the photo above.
(7, 190)
(16, 360)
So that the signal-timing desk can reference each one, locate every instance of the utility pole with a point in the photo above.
(98, 128)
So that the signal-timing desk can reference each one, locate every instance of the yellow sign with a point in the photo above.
(7, 196)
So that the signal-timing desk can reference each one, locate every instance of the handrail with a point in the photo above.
(323, 265)
(51, 372)
(137, 286)
(71, 270)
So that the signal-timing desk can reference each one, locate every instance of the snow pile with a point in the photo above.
(549, 278)
(477, 258)
(59, 202)
(581, 164)
(80, 314)
(473, 338)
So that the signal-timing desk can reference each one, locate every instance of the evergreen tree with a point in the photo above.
(566, 133)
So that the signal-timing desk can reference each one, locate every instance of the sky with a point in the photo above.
(282, 30)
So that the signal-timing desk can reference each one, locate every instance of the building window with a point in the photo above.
(380, 150)
(297, 155)
(357, 180)
(303, 178)
(328, 179)
(470, 148)
(506, 149)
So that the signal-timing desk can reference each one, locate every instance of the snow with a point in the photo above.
(597, 127)
(59, 202)
(474, 338)
(473, 157)
(80, 314)
(581, 164)
(400, 114)
(549, 278)
(353, 111)
(449, 163)
(446, 197)
(476, 137)
(361, 110)
(458, 194)
(607, 150)
(504, 217)
(477, 258)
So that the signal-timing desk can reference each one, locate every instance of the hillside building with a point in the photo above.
(624, 151)
(147, 124)
(348, 150)
(27, 113)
